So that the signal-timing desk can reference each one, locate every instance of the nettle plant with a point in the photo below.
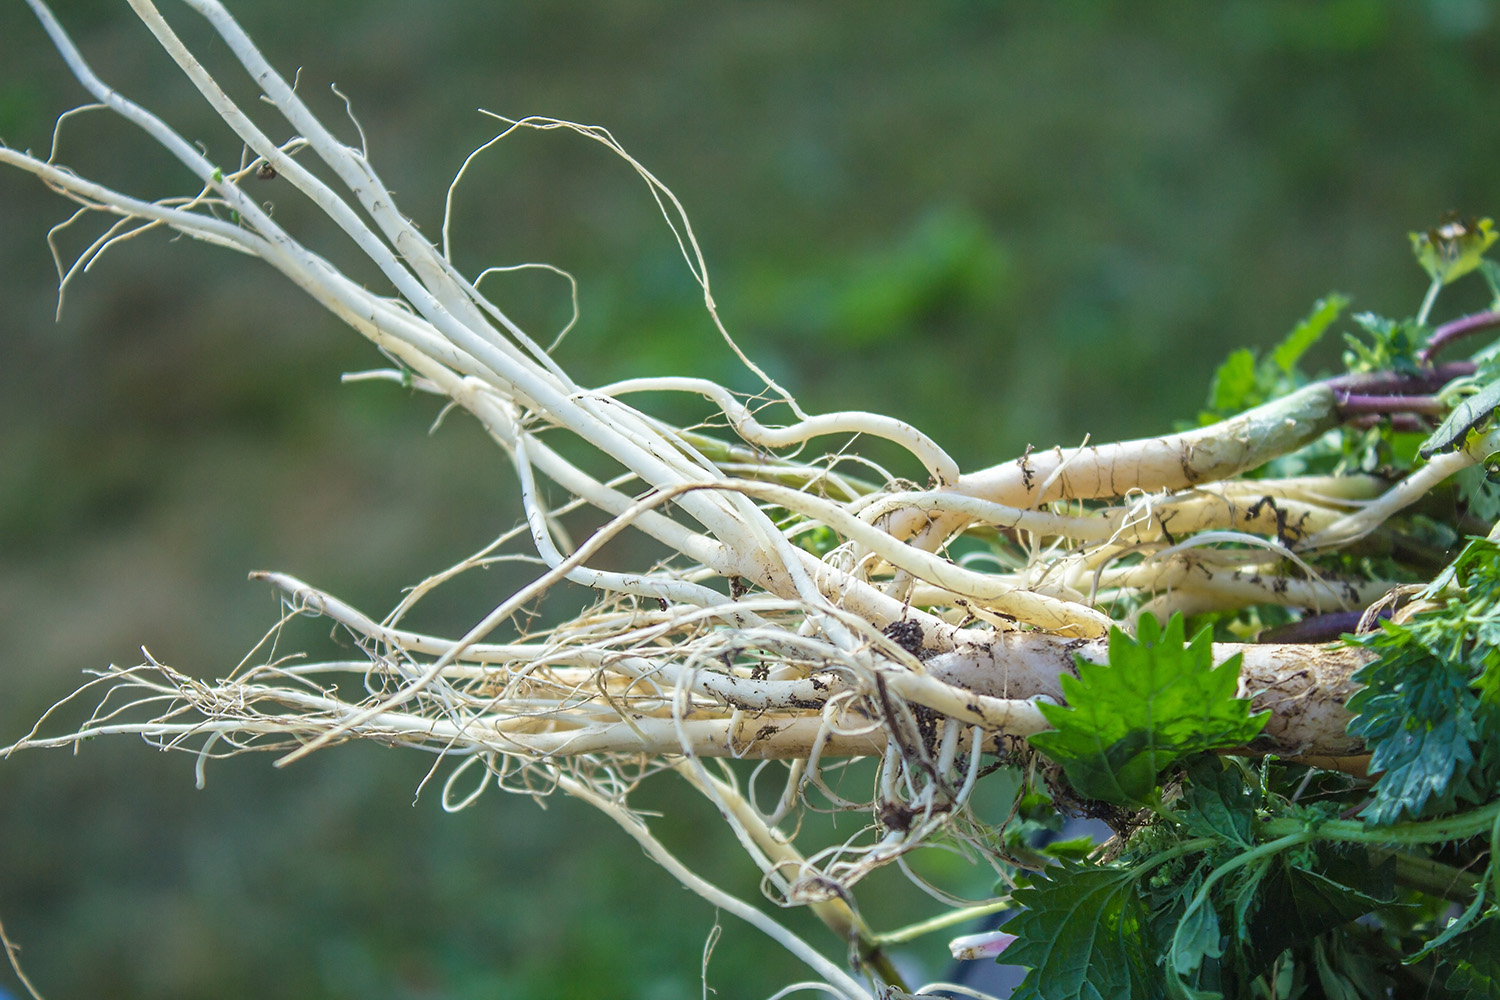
(1303, 796)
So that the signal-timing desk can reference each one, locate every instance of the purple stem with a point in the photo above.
(1349, 404)
(1457, 330)
(1396, 384)
(1317, 628)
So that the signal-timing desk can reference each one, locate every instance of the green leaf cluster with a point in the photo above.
(1389, 345)
(1236, 878)
(1158, 700)
(1244, 882)
(1200, 906)
(1429, 710)
(1474, 959)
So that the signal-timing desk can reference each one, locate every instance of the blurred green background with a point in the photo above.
(1008, 223)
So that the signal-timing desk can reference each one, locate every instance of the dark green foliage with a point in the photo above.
(1298, 898)
(1415, 713)
(1474, 958)
(1266, 900)
(1430, 707)
(1216, 803)
(1347, 973)
(1197, 908)
(1084, 933)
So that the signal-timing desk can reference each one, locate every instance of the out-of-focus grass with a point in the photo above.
(1007, 223)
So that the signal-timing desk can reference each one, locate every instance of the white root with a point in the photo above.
(1405, 493)
(1178, 461)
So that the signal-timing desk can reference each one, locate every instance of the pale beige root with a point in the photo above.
(1281, 508)
(1304, 686)
(990, 681)
(741, 737)
(1350, 489)
(1193, 585)
(1171, 462)
(1215, 508)
(784, 867)
(1406, 492)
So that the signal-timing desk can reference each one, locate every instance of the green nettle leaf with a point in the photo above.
(1265, 907)
(1260, 907)
(1072, 849)
(1085, 935)
(1479, 488)
(1470, 414)
(1216, 803)
(1453, 248)
(1297, 904)
(1159, 700)
(1486, 656)
(1168, 892)
(1244, 896)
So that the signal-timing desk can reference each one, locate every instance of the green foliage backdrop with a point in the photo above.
(1008, 223)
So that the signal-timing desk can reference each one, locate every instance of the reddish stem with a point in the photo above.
(1457, 330)
(1396, 383)
(1316, 628)
(1350, 404)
